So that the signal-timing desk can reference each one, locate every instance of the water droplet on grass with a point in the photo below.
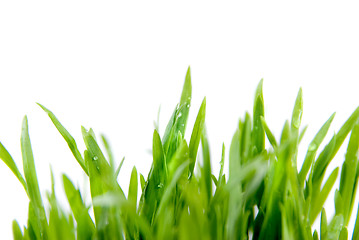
(95, 158)
(312, 147)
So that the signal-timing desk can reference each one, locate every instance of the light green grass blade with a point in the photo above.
(118, 169)
(206, 170)
(142, 181)
(68, 138)
(16, 231)
(39, 218)
(245, 147)
(61, 226)
(178, 122)
(323, 160)
(196, 136)
(101, 169)
(9, 161)
(335, 227)
(156, 182)
(132, 189)
(185, 103)
(343, 234)
(108, 151)
(258, 112)
(85, 225)
(170, 188)
(312, 149)
(356, 227)
(348, 178)
(269, 134)
(234, 156)
(323, 225)
(320, 198)
(297, 111)
(220, 176)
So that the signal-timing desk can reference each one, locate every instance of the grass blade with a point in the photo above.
(39, 219)
(16, 231)
(68, 138)
(196, 136)
(312, 149)
(85, 225)
(258, 112)
(9, 161)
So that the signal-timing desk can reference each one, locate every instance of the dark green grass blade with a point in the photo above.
(39, 218)
(312, 149)
(16, 231)
(258, 112)
(85, 225)
(9, 161)
(68, 138)
(196, 136)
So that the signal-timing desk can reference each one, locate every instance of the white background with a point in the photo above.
(110, 65)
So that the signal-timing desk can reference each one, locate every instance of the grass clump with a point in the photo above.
(263, 197)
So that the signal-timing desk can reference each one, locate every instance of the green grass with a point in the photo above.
(263, 196)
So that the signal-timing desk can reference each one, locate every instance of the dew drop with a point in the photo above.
(95, 158)
(160, 185)
(312, 147)
(179, 115)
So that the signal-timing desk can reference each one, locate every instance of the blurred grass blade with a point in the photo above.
(68, 138)
(118, 169)
(16, 231)
(323, 225)
(109, 151)
(132, 189)
(9, 161)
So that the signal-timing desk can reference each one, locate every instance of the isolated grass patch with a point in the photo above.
(263, 196)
